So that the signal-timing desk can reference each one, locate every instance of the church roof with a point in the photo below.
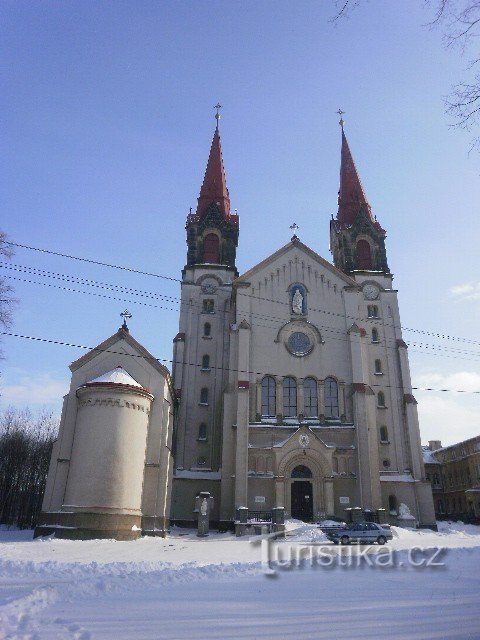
(116, 376)
(214, 187)
(109, 345)
(295, 242)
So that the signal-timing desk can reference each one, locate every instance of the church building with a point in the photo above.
(290, 391)
(293, 379)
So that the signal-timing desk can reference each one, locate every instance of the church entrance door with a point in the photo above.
(302, 500)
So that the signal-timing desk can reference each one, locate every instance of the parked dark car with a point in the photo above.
(368, 532)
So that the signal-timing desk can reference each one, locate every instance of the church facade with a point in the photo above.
(292, 379)
(290, 391)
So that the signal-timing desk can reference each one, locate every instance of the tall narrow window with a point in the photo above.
(289, 397)
(206, 362)
(364, 255)
(210, 248)
(268, 397)
(331, 398)
(383, 434)
(378, 366)
(204, 396)
(381, 399)
(374, 335)
(310, 398)
(202, 432)
(207, 329)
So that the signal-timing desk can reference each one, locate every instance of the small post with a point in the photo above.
(241, 521)
(278, 521)
(203, 506)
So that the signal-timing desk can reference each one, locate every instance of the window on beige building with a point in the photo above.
(289, 397)
(269, 397)
(204, 396)
(310, 398)
(331, 398)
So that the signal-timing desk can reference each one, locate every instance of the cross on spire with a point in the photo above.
(341, 121)
(125, 314)
(218, 106)
(294, 227)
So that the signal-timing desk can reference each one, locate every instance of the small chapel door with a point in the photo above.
(302, 500)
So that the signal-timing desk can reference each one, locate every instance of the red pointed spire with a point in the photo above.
(351, 195)
(214, 187)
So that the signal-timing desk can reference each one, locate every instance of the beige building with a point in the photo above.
(111, 465)
(293, 379)
(454, 473)
(291, 391)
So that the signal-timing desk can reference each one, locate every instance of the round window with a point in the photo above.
(299, 344)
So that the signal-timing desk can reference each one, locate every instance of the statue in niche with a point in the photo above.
(297, 302)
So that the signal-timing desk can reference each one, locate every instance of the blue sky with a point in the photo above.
(108, 119)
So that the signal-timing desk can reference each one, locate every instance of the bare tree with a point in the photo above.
(25, 449)
(7, 301)
(460, 22)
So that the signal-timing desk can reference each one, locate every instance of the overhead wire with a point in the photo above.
(199, 365)
(172, 300)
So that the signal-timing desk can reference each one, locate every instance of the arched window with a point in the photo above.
(372, 311)
(381, 399)
(202, 432)
(378, 366)
(374, 335)
(364, 255)
(210, 248)
(386, 463)
(331, 398)
(269, 397)
(392, 505)
(207, 329)
(310, 398)
(383, 434)
(204, 396)
(206, 362)
(289, 397)
(301, 471)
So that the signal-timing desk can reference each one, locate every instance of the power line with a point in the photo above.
(91, 261)
(194, 364)
(85, 281)
(355, 319)
(324, 328)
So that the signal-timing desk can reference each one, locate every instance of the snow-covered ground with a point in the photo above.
(186, 587)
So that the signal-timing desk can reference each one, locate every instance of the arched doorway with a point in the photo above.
(302, 493)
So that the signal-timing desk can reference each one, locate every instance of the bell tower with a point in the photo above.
(212, 231)
(202, 346)
(357, 239)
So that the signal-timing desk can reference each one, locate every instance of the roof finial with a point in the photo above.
(218, 106)
(125, 314)
(341, 121)
(294, 227)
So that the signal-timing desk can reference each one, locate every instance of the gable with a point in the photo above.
(109, 345)
(287, 253)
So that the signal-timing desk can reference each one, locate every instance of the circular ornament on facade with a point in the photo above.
(299, 344)
(371, 291)
(304, 440)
